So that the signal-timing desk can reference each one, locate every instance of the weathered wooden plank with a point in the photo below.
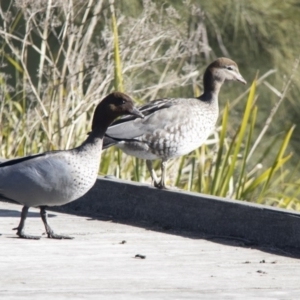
(196, 213)
(97, 265)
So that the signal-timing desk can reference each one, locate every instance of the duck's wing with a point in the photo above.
(148, 109)
(11, 170)
(15, 161)
(28, 180)
(127, 128)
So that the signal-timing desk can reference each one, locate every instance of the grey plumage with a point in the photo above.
(173, 127)
(59, 177)
(39, 180)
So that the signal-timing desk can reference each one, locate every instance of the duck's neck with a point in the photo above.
(95, 137)
(92, 146)
(212, 84)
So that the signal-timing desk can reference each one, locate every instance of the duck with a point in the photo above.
(58, 177)
(173, 127)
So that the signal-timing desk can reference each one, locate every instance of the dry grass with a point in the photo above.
(59, 58)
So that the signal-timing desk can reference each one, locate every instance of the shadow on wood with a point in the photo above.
(191, 214)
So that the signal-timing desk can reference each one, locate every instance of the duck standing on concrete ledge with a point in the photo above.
(173, 127)
(59, 177)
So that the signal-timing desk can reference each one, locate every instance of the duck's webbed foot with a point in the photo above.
(20, 228)
(160, 184)
(50, 233)
(23, 235)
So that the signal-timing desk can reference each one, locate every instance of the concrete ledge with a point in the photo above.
(143, 205)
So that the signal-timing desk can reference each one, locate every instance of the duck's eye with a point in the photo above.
(121, 101)
(229, 68)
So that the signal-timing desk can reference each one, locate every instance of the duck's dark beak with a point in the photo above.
(134, 111)
(241, 79)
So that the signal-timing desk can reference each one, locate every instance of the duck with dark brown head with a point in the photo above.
(59, 177)
(176, 126)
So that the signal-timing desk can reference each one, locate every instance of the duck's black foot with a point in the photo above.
(160, 186)
(20, 228)
(23, 235)
(52, 235)
(49, 231)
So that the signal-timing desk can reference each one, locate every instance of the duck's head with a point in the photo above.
(225, 69)
(113, 106)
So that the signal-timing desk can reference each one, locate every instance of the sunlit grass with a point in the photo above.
(81, 53)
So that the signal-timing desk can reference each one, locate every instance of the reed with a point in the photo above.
(61, 57)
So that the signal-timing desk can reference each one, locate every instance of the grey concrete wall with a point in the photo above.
(196, 213)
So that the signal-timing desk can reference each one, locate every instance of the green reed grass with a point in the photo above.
(79, 61)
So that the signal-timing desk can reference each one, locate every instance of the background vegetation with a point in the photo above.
(59, 58)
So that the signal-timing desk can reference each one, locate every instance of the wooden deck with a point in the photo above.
(100, 263)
